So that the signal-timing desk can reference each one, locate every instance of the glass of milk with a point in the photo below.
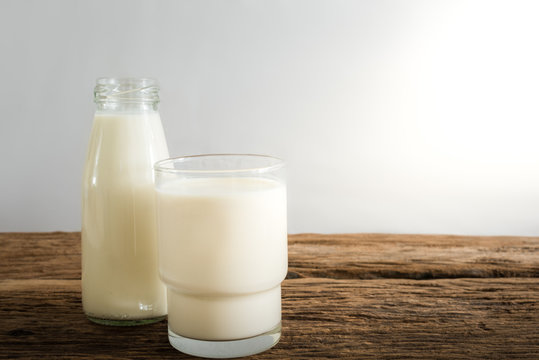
(120, 279)
(222, 240)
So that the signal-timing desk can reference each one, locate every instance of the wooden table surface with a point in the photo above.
(354, 296)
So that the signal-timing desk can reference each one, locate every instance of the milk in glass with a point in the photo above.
(222, 254)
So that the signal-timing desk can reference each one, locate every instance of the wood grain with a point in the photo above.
(40, 255)
(347, 296)
(372, 256)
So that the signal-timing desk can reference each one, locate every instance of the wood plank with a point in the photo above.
(372, 256)
(349, 256)
(494, 318)
(54, 255)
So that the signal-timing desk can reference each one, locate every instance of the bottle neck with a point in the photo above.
(107, 106)
(126, 95)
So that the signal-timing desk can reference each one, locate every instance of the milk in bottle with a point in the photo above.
(120, 281)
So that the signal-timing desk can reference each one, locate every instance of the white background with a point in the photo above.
(393, 116)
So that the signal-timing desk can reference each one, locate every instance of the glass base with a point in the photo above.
(125, 322)
(227, 348)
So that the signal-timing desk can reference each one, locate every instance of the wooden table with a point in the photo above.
(346, 296)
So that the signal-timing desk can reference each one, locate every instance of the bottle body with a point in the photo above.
(120, 280)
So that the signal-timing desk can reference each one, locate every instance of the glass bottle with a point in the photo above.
(120, 280)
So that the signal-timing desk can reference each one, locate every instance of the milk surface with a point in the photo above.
(223, 255)
(119, 248)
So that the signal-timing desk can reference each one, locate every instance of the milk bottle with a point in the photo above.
(120, 281)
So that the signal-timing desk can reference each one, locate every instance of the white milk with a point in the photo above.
(223, 255)
(119, 251)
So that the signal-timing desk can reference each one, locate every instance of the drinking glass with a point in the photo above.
(222, 243)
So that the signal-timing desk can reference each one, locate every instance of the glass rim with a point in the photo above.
(277, 164)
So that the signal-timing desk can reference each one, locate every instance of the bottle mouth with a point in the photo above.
(126, 90)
